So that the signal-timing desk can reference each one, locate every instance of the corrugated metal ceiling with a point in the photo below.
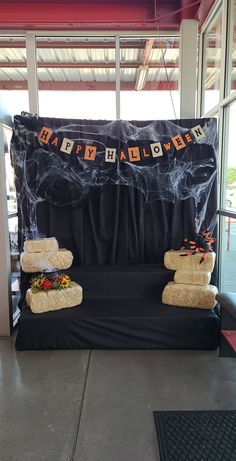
(93, 60)
(101, 58)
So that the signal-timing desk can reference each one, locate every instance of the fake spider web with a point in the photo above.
(42, 174)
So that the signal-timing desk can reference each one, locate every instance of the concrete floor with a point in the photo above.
(98, 405)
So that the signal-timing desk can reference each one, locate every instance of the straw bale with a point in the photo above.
(201, 296)
(52, 300)
(192, 277)
(53, 260)
(173, 261)
(36, 246)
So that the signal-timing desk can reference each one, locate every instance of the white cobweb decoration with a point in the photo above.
(46, 175)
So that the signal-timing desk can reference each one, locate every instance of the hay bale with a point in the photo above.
(53, 300)
(191, 277)
(173, 261)
(53, 260)
(203, 297)
(41, 245)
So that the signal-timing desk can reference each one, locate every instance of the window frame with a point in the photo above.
(221, 108)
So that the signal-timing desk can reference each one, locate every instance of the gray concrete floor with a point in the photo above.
(98, 405)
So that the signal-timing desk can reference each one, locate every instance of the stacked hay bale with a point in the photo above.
(44, 256)
(190, 287)
(53, 300)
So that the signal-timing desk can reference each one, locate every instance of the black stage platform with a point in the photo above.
(121, 309)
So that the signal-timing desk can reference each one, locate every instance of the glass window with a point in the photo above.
(13, 76)
(12, 226)
(232, 51)
(11, 193)
(230, 158)
(228, 254)
(228, 224)
(211, 63)
(10, 186)
(76, 77)
(149, 78)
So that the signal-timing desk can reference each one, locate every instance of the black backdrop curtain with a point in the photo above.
(113, 221)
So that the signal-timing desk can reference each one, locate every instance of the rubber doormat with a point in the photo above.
(196, 435)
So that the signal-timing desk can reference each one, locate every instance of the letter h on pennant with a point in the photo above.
(110, 155)
(45, 134)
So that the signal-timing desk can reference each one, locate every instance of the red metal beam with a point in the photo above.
(99, 14)
(72, 44)
(193, 9)
(101, 65)
(88, 86)
(78, 12)
(87, 65)
(189, 8)
(203, 11)
(108, 44)
(96, 14)
(94, 2)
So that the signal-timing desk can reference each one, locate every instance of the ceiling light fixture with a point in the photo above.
(141, 77)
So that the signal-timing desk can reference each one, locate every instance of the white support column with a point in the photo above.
(188, 68)
(32, 73)
(117, 77)
(5, 265)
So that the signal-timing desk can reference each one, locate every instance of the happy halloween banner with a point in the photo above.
(131, 154)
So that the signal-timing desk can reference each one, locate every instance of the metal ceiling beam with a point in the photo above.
(51, 44)
(102, 65)
(87, 65)
(203, 11)
(88, 86)
(91, 15)
(189, 9)
(95, 15)
(93, 86)
(93, 2)
(124, 44)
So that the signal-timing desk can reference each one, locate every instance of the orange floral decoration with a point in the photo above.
(41, 282)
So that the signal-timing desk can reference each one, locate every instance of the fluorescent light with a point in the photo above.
(141, 77)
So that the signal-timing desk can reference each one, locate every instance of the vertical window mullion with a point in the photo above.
(200, 75)
(225, 38)
(32, 73)
(117, 77)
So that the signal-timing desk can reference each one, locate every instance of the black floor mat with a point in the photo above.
(196, 435)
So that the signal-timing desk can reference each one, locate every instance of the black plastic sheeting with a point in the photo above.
(119, 324)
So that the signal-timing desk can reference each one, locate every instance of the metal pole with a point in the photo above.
(117, 77)
(188, 67)
(32, 73)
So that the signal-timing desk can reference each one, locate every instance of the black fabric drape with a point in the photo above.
(118, 227)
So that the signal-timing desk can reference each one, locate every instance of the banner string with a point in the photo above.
(166, 72)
